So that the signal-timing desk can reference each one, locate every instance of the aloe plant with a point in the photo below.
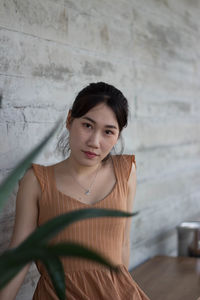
(36, 246)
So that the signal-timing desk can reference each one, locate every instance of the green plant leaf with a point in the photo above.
(52, 227)
(34, 248)
(10, 182)
(31, 249)
(56, 273)
(78, 250)
(70, 250)
(7, 273)
(13, 260)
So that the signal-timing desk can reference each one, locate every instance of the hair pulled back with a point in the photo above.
(101, 92)
(89, 97)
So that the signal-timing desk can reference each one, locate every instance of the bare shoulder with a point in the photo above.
(30, 183)
(26, 215)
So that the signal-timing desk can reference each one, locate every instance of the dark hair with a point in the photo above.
(92, 95)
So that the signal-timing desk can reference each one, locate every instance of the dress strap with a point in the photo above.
(123, 165)
(130, 159)
(40, 174)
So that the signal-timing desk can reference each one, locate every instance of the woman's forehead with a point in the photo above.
(103, 114)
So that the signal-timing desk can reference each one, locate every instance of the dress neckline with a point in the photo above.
(78, 201)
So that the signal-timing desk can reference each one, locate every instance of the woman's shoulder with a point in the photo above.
(29, 182)
(125, 163)
(40, 172)
(38, 167)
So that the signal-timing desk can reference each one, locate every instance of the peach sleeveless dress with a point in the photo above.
(86, 279)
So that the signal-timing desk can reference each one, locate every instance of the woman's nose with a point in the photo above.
(94, 140)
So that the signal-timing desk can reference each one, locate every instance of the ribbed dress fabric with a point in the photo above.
(86, 279)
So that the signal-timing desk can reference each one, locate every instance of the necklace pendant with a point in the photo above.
(87, 192)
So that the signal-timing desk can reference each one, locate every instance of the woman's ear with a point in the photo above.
(69, 119)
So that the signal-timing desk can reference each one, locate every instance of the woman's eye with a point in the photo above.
(87, 125)
(109, 132)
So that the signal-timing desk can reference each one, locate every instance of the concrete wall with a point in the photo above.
(150, 50)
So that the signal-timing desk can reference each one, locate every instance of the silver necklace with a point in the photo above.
(87, 191)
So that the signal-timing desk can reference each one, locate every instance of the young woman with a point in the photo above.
(89, 177)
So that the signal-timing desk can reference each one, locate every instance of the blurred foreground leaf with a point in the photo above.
(52, 227)
(35, 248)
(10, 182)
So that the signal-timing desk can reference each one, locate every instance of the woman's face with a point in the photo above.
(92, 136)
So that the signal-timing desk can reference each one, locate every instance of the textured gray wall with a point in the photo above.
(150, 50)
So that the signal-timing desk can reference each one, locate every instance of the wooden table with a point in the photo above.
(169, 278)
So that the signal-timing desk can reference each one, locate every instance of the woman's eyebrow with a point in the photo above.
(107, 126)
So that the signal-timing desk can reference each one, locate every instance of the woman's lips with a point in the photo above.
(90, 154)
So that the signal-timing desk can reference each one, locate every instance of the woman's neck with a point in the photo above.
(80, 170)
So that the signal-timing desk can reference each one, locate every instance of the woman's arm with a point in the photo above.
(25, 222)
(130, 200)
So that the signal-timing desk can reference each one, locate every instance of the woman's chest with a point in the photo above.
(88, 192)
